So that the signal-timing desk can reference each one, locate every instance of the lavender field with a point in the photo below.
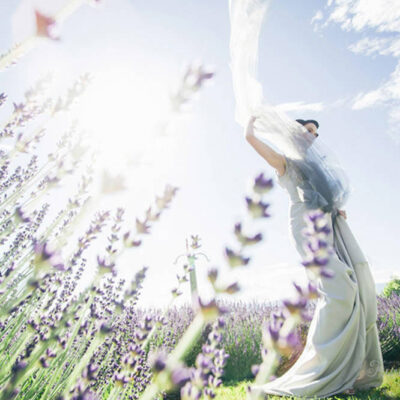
(70, 323)
(242, 337)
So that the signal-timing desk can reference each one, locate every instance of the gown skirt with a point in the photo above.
(342, 349)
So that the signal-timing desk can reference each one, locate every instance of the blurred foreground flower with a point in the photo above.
(317, 248)
(257, 208)
(262, 185)
(45, 27)
(112, 184)
(194, 78)
(280, 337)
(246, 240)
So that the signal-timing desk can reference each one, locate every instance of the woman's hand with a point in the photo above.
(273, 158)
(249, 131)
(343, 213)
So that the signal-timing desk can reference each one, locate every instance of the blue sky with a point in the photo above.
(312, 54)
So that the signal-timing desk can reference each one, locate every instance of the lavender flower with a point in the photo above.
(246, 240)
(262, 185)
(47, 256)
(194, 78)
(235, 259)
(257, 208)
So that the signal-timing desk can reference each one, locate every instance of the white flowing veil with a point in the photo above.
(322, 181)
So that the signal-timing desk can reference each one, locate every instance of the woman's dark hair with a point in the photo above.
(303, 122)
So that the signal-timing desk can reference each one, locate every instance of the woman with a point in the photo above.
(342, 351)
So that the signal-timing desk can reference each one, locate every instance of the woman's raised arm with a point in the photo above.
(273, 158)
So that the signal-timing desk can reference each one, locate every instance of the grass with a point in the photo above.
(390, 390)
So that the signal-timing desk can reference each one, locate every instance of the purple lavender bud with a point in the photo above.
(327, 273)
(105, 328)
(212, 274)
(43, 362)
(47, 255)
(209, 393)
(214, 381)
(158, 361)
(306, 316)
(262, 185)
(142, 227)
(44, 250)
(130, 242)
(215, 336)
(120, 378)
(314, 215)
(190, 391)
(18, 108)
(3, 98)
(235, 259)
(92, 368)
(273, 332)
(246, 240)
(175, 292)
(255, 368)
(298, 288)
(104, 266)
(312, 290)
(195, 242)
(292, 340)
(232, 288)
(19, 366)
(257, 208)
(50, 352)
(295, 306)
(210, 310)
(180, 376)
(21, 216)
(221, 323)
(203, 362)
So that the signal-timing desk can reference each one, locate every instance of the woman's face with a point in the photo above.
(312, 128)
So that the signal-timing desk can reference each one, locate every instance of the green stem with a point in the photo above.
(19, 50)
(13, 331)
(27, 184)
(33, 359)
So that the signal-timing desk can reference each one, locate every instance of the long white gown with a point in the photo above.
(342, 349)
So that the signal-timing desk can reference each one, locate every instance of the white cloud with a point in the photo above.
(364, 100)
(382, 15)
(371, 46)
(379, 19)
(340, 102)
(388, 93)
(300, 106)
(317, 17)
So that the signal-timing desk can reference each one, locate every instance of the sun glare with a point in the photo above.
(120, 111)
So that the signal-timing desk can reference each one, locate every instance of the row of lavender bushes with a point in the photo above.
(242, 337)
(59, 341)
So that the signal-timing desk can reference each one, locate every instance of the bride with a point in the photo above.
(342, 350)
